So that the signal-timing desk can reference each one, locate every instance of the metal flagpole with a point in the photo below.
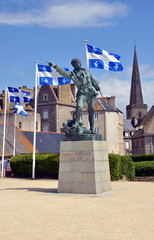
(14, 144)
(87, 67)
(35, 111)
(85, 42)
(4, 133)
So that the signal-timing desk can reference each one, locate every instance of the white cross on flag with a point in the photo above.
(20, 110)
(99, 58)
(49, 76)
(17, 95)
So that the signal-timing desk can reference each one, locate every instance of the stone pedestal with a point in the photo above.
(84, 167)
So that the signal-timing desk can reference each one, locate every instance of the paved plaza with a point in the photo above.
(32, 209)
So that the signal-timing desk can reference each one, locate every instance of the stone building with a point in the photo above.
(136, 109)
(55, 106)
(22, 122)
(127, 134)
(143, 138)
(108, 123)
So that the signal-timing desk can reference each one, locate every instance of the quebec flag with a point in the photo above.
(17, 95)
(49, 76)
(98, 58)
(19, 109)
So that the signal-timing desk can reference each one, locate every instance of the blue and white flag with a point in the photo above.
(49, 76)
(19, 109)
(17, 95)
(99, 58)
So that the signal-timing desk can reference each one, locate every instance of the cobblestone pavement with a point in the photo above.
(31, 209)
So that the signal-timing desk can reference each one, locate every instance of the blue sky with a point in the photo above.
(55, 30)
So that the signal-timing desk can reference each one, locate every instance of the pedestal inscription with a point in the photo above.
(84, 167)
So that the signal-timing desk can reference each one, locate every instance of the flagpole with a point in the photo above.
(35, 111)
(85, 42)
(87, 67)
(14, 144)
(4, 133)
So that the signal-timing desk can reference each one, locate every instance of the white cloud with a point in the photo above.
(70, 13)
(111, 85)
(146, 71)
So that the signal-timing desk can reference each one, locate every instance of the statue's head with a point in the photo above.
(76, 63)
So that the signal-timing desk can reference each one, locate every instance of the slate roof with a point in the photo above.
(127, 124)
(146, 123)
(23, 145)
(100, 104)
(46, 142)
(148, 116)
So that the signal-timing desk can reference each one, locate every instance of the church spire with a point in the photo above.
(136, 107)
(136, 89)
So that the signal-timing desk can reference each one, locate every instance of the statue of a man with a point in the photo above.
(87, 89)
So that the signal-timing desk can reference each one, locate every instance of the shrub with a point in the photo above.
(22, 165)
(127, 167)
(45, 165)
(121, 165)
(142, 157)
(115, 167)
(145, 168)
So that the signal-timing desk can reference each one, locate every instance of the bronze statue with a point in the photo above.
(87, 90)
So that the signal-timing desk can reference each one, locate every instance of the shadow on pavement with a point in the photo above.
(45, 190)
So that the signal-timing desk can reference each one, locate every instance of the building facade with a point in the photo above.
(23, 123)
(55, 106)
(136, 110)
(136, 107)
(143, 138)
(108, 123)
(128, 132)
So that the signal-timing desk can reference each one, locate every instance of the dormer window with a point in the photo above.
(45, 97)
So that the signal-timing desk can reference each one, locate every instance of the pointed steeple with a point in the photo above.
(136, 90)
(136, 107)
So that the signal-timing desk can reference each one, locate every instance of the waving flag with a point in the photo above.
(17, 95)
(49, 76)
(98, 58)
(20, 110)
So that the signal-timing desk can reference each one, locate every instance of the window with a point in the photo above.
(97, 130)
(96, 115)
(45, 128)
(20, 124)
(126, 133)
(45, 114)
(45, 97)
(127, 144)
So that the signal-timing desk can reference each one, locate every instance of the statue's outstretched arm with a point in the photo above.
(67, 74)
(59, 69)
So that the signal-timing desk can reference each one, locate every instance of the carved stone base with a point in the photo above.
(84, 167)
